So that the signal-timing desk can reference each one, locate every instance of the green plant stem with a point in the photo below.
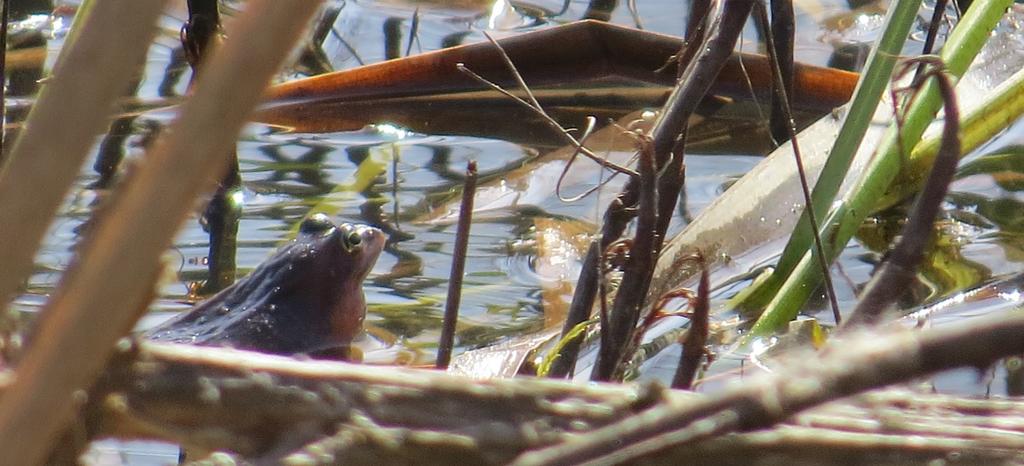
(961, 47)
(873, 83)
(1002, 106)
(576, 332)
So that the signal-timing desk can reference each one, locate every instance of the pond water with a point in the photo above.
(521, 260)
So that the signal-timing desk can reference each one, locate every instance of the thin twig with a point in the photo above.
(414, 29)
(200, 32)
(220, 219)
(352, 50)
(534, 104)
(604, 331)
(515, 72)
(601, 180)
(550, 121)
(628, 352)
(933, 32)
(451, 308)
(634, 11)
(783, 99)
(593, 264)
(591, 122)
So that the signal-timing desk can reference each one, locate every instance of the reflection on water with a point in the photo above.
(396, 179)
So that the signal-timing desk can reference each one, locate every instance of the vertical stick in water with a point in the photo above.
(224, 210)
(782, 32)
(451, 308)
(3, 73)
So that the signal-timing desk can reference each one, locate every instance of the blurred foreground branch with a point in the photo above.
(102, 293)
(268, 407)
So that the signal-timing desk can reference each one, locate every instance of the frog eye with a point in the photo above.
(315, 224)
(353, 239)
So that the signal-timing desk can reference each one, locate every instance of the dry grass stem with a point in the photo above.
(72, 109)
(101, 296)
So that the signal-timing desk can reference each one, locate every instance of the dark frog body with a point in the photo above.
(307, 298)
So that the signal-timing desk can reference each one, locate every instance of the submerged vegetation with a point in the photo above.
(612, 128)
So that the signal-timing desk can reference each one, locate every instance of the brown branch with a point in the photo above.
(625, 311)
(667, 141)
(260, 406)
(845, 368)
(591, 282)
(256, 405)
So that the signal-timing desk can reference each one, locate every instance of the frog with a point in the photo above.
(305, 299)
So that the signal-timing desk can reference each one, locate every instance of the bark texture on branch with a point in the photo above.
(887, 427)
(269, 407)
(266, 406)
(860, 362)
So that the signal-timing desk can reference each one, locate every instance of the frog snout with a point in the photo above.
(371, 238)
(364, 244)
